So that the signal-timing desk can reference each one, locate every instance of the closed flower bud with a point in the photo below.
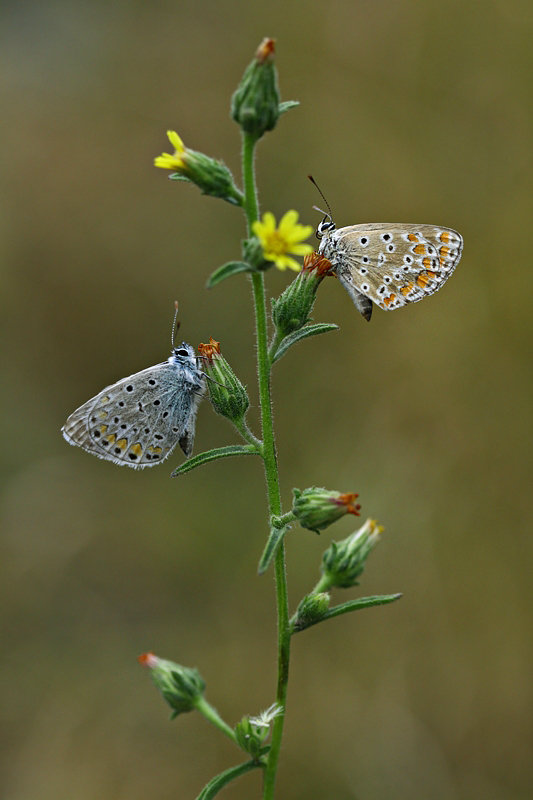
(291, 310)
(226, 392)
(343, 562)
(311, 610)
(255, 102)
(316, 508)
(180, 686)
(211, 176)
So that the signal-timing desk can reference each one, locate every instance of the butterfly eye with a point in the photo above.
(324, 227)
(181, 351)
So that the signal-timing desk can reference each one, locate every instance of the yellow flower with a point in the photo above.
(166, 161)
(287, 238)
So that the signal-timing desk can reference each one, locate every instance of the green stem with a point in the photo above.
(273, 349)
(250, 205)
(248, 436)
(271, 471)
(213, 716)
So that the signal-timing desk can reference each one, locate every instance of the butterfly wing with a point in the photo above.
(138, 421)
(392, 264)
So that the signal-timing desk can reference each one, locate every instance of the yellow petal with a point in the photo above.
(269, 222)
(301, 249)
(287, 222)
(176, 141)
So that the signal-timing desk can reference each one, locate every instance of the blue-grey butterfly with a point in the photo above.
(139, 420)
(389, 263)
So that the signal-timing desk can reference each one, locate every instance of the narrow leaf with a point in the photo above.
(226, 271)
(287, 105)
(303, 333)
(355, 605)
(175, 176)
(212, 455)
(219, 781)
(276, 535)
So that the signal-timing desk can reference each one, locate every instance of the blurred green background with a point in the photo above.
(411, 110)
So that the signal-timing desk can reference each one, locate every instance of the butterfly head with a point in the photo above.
(184, 354)
(326, 226)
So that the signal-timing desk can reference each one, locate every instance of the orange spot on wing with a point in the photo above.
(406, 289)
(390, 299)
(426, 262)
(103, 428)
(445, 237)
(422, 280)
(444, 253)
(136, 449)
(122, 443)
(420, 249)
(412, 237)
(111, 438)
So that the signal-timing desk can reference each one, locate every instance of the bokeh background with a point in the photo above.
(411, 110)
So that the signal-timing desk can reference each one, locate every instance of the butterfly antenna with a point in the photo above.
(175, 324)
(329, 214)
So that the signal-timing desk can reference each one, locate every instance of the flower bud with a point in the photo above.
(317, 508)
(252, 253)
(255, 102)
(180, 686)
(211, 176)
(251, 732)
(226, 392)
(291, 310)
(344, 561)
(311, 610)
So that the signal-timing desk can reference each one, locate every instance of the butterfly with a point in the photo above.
(139, 420)
(390, 264)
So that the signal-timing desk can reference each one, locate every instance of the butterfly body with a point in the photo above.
(138, 421)
(390, 264)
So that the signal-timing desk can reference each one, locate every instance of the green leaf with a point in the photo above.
(355, 605)
(303, 333)
(287, 105)
(219, 781)
(276, 535)
(226, 271)
(175, 176)
(212, 455)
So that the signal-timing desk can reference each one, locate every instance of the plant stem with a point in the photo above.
(271, 470)
(213, 716)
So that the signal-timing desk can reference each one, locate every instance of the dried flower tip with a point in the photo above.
(209, 351)
(347, 501)
(265, 50)
(264, 719)
(315, 262)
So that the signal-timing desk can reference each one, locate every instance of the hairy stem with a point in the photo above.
(271, 470)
